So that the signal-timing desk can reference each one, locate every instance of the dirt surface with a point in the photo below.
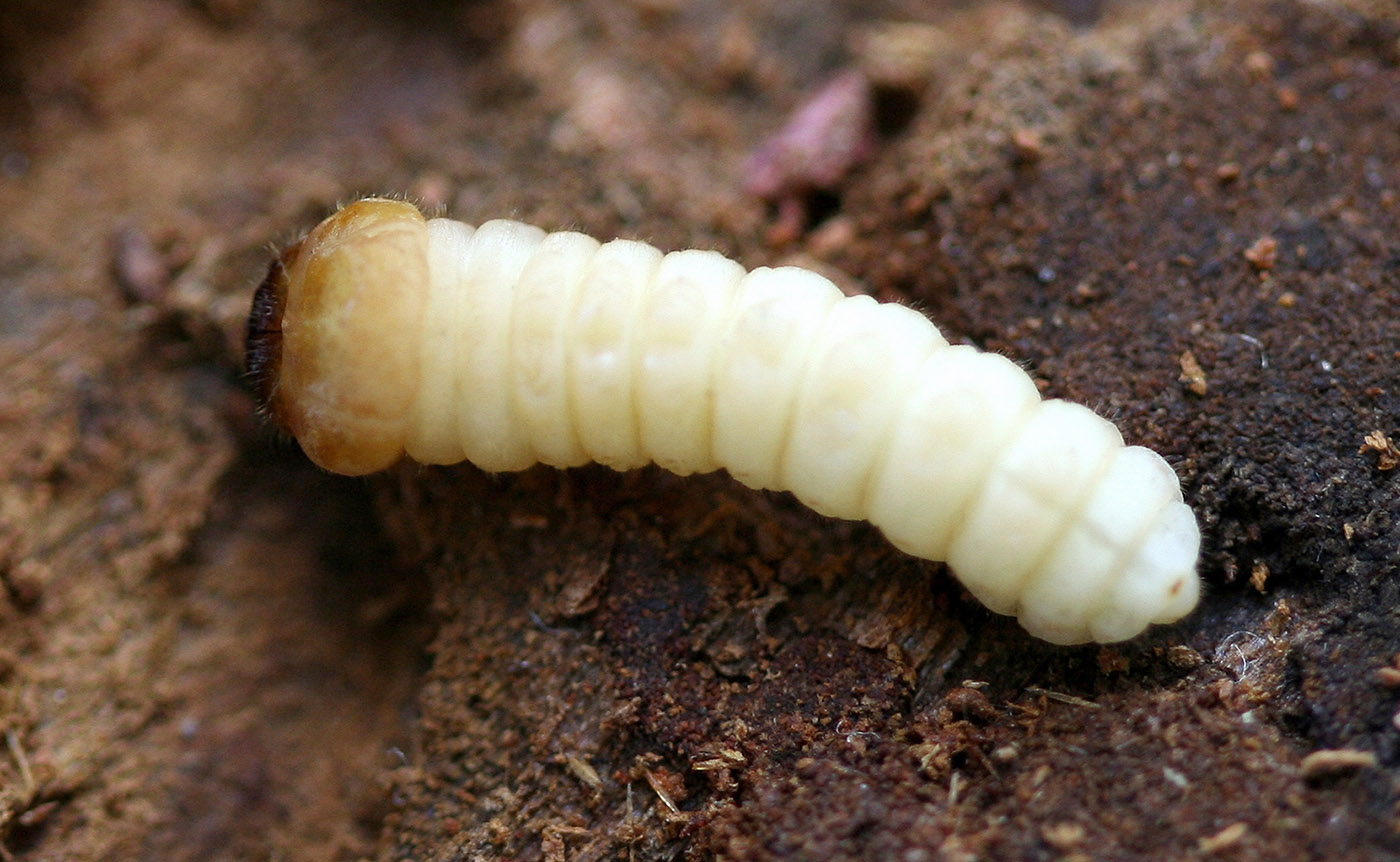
(1186, 215)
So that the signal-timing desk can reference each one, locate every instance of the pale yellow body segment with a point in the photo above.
(759, 366)
(682, 321)
(858, 369)
(600, 345)
(539, 356)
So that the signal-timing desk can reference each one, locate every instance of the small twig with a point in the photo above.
(954, 789)
(660, 791)
(17, 752)
(1062, 697)
(1335, 761)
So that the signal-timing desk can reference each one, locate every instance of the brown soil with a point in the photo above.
(1184, 214)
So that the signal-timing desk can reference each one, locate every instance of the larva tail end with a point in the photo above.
(262, 355)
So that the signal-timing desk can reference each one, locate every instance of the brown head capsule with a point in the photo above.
(333, 332)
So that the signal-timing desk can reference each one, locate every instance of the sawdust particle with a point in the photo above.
(1192, 374)
(1224, 839)
(1063, 836)
(1259, 575)
(1263, 254)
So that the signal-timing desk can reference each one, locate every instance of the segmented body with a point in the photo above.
(383, 333)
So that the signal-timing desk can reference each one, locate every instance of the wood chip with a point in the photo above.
(1263, 254)
(661, 793)
(1061, 697)
(1063, 836)
(1029, 144)
(584, 772)
(1377, 442)
(1259, 575)
(724, 758)
(1224, 839)
(1192, 374)
(1334, 761)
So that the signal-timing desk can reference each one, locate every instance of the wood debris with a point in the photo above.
(1192, 374)
(1263, 254)
(1224, 839)
(1334, 761)
(1377, 442)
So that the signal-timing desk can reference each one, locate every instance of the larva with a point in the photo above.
(384, 333)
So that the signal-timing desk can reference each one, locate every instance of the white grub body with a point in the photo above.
(506, 346)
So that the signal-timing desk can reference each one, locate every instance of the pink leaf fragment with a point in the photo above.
(830, 133)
